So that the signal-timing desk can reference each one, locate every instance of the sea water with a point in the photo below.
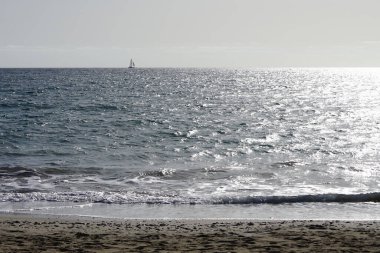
(203, 140)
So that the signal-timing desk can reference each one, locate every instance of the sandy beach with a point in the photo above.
(23, 233)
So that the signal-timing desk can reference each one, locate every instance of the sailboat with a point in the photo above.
(131, 64)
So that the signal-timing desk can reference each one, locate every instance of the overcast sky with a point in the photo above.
(190, 33)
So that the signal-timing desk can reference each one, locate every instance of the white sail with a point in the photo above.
(131, 64)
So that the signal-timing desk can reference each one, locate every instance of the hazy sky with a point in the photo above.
(190, 33)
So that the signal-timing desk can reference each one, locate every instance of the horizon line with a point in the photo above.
(188, 67)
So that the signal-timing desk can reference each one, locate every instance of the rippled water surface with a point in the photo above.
(190, 135)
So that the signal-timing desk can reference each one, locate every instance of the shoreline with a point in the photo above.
(301, 211)
(36, 233)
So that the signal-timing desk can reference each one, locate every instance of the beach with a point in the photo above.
(30, 233)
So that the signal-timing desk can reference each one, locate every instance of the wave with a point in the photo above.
(25, 172)
(96, 197)
(150, 198)
(20, 172)
(321, 198)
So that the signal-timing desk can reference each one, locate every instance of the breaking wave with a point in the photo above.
(148, 198)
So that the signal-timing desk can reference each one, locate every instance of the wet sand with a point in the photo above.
(23, 233)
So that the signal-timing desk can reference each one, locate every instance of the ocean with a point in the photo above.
(156, 143)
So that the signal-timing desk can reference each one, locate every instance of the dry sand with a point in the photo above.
(21, 233)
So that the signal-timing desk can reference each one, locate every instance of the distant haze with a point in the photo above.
(190, 33)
